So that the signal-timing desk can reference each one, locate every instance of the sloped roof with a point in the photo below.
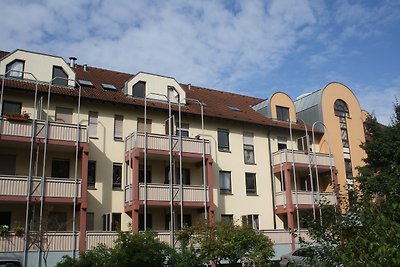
(216, 103)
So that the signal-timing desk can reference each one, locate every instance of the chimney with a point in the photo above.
(72, 61)
(84, 67)
(189, 86)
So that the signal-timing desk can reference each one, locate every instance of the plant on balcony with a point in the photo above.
(4, 230)
(18, 117)
(18, 230)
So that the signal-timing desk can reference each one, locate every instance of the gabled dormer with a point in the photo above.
(45, 68)
(155, 87)
(278, 107)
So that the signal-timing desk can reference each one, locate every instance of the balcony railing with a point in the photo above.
(55, 187)
(305, 198)
(161, 142)
(94, 238)
(299, 156)
(161, 192)
(283, 236)
(52, 241)
(57, 131)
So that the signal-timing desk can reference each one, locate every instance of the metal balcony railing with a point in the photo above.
(12, 185)
(161, 142)
(305, 197)
(299, 156)
(57, 131)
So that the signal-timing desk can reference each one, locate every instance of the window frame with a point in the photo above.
(251, 186)
(140, 125)
(6, 102)
(93, 121)
(115, 184)
(281, 141)
(141, 91)
(225, 190)
(89, 221)
(184, 130)
(252, 220)
(58, 80)
(118, 127)
(282, 113)
(58, 113)
(248, 148)
(10, 70)
(91, 183)
(223, 147)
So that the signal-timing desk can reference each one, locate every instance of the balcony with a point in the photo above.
(52, 241)
(300, 157)
(160, 192)
(282, 236)
(161, 142)
(57, 131)
(305, 198)
(16, 186)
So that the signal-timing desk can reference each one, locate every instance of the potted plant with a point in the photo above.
(19, 230)
(4, 230)
(18, 117)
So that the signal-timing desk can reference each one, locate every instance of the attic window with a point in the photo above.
(108, 86)
(139, 89)
(86, 83)
(231, 107)
(59, 76)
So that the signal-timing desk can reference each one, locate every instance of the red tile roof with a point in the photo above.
(216, 102)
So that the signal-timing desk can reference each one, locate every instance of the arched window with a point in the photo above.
(341, 108)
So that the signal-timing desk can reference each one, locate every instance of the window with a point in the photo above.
(225, 186)
(185, 176)
(248, 148)
(251, 187)
(117, 175)
(60, 168)
(223, 140)
(57, 221)
(118, 127)
(141, 174)
(343, 130)
(184, 130)
(282, 113)
(341, 109)
(112, 222)
(282, 143)
(140, 125)
(8, 164)
(64, 115)
(348, 167)
(15, 69)
(139, 89)
(92, 121)
(149, 221)
(302, 143)
(5, 218)
(11, 108)
(251, 221)
(59, 76)
(187, 221)
(226, 218)
(89, 221)
(91, 179)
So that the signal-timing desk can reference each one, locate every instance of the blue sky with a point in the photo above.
(250, 47)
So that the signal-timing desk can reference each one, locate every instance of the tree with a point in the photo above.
(141, 249)
(367, 233)
(227, 242)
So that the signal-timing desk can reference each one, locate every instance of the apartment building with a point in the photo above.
(85, 152)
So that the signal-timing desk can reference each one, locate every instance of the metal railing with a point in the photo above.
(161, 142)
(299, 156)
(57, 130)
(12, 185)
(305, 197)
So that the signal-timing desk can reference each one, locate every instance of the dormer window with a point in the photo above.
(282, 113)
(139, 89)
(59, 76)
(15, 69)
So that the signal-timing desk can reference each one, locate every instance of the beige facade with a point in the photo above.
(252, 162)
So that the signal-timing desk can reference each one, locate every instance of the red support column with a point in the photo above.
(289, 205)
(83, 206)
(209, 172)
(135, 191)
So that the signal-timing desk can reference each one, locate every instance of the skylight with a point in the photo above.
(231, 107)
(108, 86)
(86, 83)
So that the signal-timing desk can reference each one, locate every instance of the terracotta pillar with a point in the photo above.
(83, 206)
(135, 191)
(209, 174)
